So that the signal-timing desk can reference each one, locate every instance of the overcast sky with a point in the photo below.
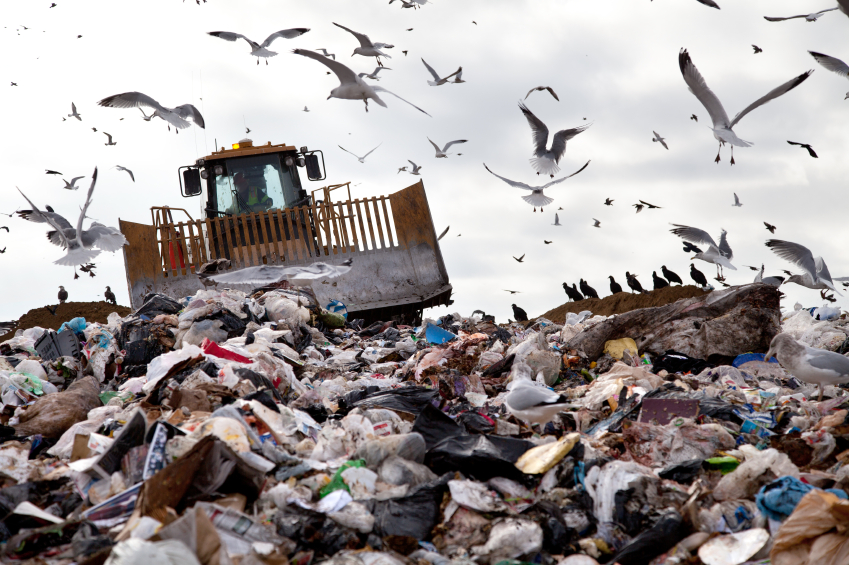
(613, 62)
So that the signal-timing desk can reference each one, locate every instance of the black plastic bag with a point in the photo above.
(665, 533)
(132, 435)
(414, 515)
(411, 399)
(155, 304)
(675, 362)
(435, 426)
(683, 473)
(477, 456)
(233, 325)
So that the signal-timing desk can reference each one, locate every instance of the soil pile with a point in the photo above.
(42, 317)
(622, 302)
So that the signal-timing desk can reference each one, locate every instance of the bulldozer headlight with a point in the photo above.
(289, 161)
(301, 162)
(199, 162)
(204, 174)
(218, 170)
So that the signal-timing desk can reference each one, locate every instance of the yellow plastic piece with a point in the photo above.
(543, 457)
(616, 347)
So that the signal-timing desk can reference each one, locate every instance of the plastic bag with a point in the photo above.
(815, 534)
(744, 481)
(337, 482)
(135, 551)
(510, 539)
(407, 446)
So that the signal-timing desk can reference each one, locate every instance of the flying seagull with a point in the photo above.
(363, 158)
(816, 273)
(546, 160)
(351, 87)
(404, 168)
(177, 117)
(458, 79)
(326, 54)
(260, 50)
(608, 202)
(537, 197)
(770, 227)
(306, 109)
(709, 3)
(73, 184)
(774, 281)
(77, 242)
(597, 223)
(416, 168)
(74, 113)
(659, 139)
(650, 206)
(443, 233)
(520, 259)
(267, 274)
(437, 81)
(810, 149)
(110, 142)
(808, 17)
(373, 75)
(442, 153)
(720, 255)
(541, 88)
(737, 202)
(832, 64)
(757, 49)
(367, 48)
(512, 291)
(556, 220)
(128, 171)
(723, 127)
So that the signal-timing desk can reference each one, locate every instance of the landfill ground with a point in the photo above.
(227, 428)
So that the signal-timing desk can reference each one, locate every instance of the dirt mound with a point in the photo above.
(91, 311)
(622, 302)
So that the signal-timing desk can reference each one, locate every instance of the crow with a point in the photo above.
(614, 286)
(658, 281)
(697, 276)
(670, 276)
(587, 290)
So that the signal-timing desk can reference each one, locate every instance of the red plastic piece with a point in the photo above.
(212, 348)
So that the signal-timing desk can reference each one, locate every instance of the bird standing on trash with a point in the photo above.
(534, 404)
(519, 314)
(658, 281)
(633, 283)
(614, 286)
(63, 295)
(808, 364)
(110, 296)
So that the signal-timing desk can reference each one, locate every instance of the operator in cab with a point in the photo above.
(249, 196)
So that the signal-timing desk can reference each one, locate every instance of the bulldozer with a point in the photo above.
(255, 211)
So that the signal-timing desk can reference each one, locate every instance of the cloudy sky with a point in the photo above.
(613, 62)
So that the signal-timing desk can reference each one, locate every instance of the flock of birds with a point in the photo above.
(547, 152)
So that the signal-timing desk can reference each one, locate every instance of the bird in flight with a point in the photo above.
(720, 255)
(770, 228)
(444, 232)
(261, 50)
(74, 113)
(694, 117)
(546, 160)
(832, 64)
(437, 81)
(94, 130)
(650, 206)
(363, 158)
(404, 168)
(816, 275)
(722, 128)
(442, 153)
(367, 48)
(306, 109)
(416, 168)
(556, 220)
(597, 223)
(808, 17)
(128, 171)
(520, 259)
(659, 139)
(373, 75)
(326, 54)
(49, 172)
(177, 117)
(537, 197)
(512, 291)
(737, 202)
(73, 184)
(608, 202)
(545, 241)
(541, 88)
(757, 49)
(639, 207)
(351, 87)
(110, 142)
(810, 149)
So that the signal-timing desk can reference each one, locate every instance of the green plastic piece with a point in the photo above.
(724, 464)
(337, 483)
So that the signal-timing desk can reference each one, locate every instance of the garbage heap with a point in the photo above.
(247, 429)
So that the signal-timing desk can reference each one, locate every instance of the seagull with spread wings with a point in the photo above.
(367, 48)
(443, 153)
(737, 202)
(437, 81)
(722, 128)
(546, 160)
(537, 197)
(177, 117)
(110, 142)
(659, 139)
(79, 243)
(720, 255)
(541, 88)
(126, 170)
(832, 64)
(373, 75)
(816, 275)
(416, 168)
(351, 87)
(808, 17)
(261, 49)
(74, 113)
(73, 184)
(363, 158)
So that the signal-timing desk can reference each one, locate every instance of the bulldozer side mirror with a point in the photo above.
(191, 183)
(314, 168)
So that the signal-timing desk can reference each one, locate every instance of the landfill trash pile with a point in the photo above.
(266, 428)
(52, 317)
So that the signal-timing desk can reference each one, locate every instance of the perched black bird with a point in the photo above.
(633, 283)
(670, 276)
(519, 314)
(63, 295)
(573, 295)
(697, 275)
(577, 293)
(587, 290)
(608, 202)
(658, 282)
(694, 117)
(520, 259)
(690, 248)
(757, 49)
(614, 286)
(770, 227)
(810, 149)
(110, 296)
